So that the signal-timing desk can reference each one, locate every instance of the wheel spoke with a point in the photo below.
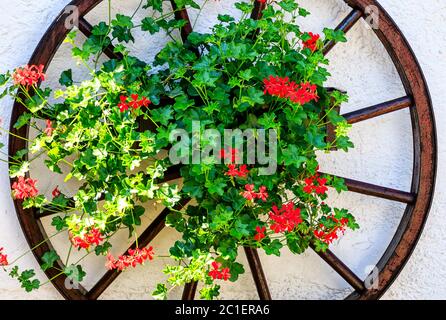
(182, 15)
(38, 239)
(189, 291)
(86, 28)
(344, 271)
(378, 191)
(378, 110)
(256, 13)
(49, 210)
(257, 273)
(143, 240)
(45, 213)
(345, 26)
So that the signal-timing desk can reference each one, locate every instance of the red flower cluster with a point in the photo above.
(329, 235)
(260, 233)
(24, 188)
(312, 42)
(3, 258)
(135, 102)
(56, 192)
(283, 88)
(250, 194)
(28, 75)
(49, 129)
(235, 171)
(285, 218)
(92, 237)
(132, 259)
(311, 185)
(230, 155)
(222, 274)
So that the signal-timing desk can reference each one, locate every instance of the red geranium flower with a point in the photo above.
(276, 86)
(283, 88)
(249, 194)
(312, 42)
(122, 263)
(135, 102)
(28, 75)
(320, 188)
(111, 262)
(92, 237)
(285, 218)
(132, 259)
(215, 273)
(232, 172)
(308, 188)
(303, 93)
(329, 235)
(144, 102)
(49, 129)
(230, 155)
(262, 194)
(123, 106)
(242, 172)
(56, 192)
(3, 258)
(79, 242)
(225, 275)
(260, 233)
(24, 188)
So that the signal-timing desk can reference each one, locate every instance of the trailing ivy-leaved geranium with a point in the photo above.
(131, 126)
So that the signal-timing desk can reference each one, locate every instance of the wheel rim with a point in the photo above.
(418, 200)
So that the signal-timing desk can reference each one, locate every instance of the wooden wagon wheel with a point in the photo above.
(418, 200)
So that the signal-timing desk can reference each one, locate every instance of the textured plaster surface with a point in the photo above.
(383, 154)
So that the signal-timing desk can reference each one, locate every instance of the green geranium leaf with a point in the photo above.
(102, 249)
(209, 293)
(75, 273)
(216, 187)
(23, 120)
(273, 248)
(19, 171)
(160, 292)
(162, 115)
(236, 270)
(59, 223)
(292, 156)
(335, 35)
(149, 24)
(157, 5)
(66, 78)
(240, 230)
(288, 5)
(49, 258)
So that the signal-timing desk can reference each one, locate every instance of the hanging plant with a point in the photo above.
(258, 82)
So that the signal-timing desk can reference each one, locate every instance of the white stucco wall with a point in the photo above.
(383, 154)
